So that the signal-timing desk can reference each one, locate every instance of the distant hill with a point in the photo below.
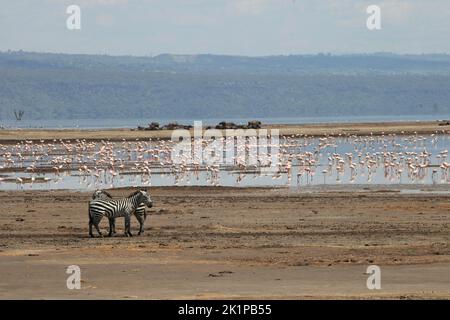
(62, 86)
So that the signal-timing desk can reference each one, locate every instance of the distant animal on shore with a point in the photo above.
(115, 208)
(140, 213)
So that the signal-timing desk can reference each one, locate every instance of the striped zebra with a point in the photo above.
(140, 213)
(115, 208)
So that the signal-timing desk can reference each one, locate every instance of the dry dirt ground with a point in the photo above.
(204, 242)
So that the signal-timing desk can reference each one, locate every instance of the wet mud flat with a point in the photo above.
(217, 242)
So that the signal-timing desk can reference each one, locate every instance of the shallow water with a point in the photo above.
(312, 162)
(134, 123)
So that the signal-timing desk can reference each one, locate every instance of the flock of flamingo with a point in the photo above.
(302, 160)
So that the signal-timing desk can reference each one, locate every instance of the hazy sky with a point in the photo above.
(238, 27)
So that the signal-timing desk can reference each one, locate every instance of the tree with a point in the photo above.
(18, 114)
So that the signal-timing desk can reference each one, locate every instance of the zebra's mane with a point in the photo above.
(134, 193)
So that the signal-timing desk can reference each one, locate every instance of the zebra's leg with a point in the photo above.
(128, 226)
(90, 226)
(98, 230)
(90, 229)
(96, 222)
(90, 222)
(112, 226)
(140, 219)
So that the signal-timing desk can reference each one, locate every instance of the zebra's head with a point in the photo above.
(145, 198)
(100, 194)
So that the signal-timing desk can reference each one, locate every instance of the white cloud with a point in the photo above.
(249, 7)
(104, 20)
(254, 27)
(90, 3)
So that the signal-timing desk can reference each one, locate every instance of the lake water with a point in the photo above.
(134, 123)
(409, 160)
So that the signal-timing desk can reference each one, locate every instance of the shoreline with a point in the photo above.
(311, 130)
(400, 189)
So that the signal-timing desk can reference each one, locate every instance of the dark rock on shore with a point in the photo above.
(222, 125)
(170, 126)
(231, 125)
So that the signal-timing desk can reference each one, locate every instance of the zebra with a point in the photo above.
(140, 213)
(117, 208)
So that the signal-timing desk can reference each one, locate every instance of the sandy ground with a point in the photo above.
(230, 243)
(419, 127)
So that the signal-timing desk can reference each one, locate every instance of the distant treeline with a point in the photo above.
(57, 86)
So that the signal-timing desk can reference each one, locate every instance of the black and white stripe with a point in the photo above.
(115, 208)
(140, 213)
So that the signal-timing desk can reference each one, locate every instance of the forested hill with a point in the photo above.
(49, 86)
